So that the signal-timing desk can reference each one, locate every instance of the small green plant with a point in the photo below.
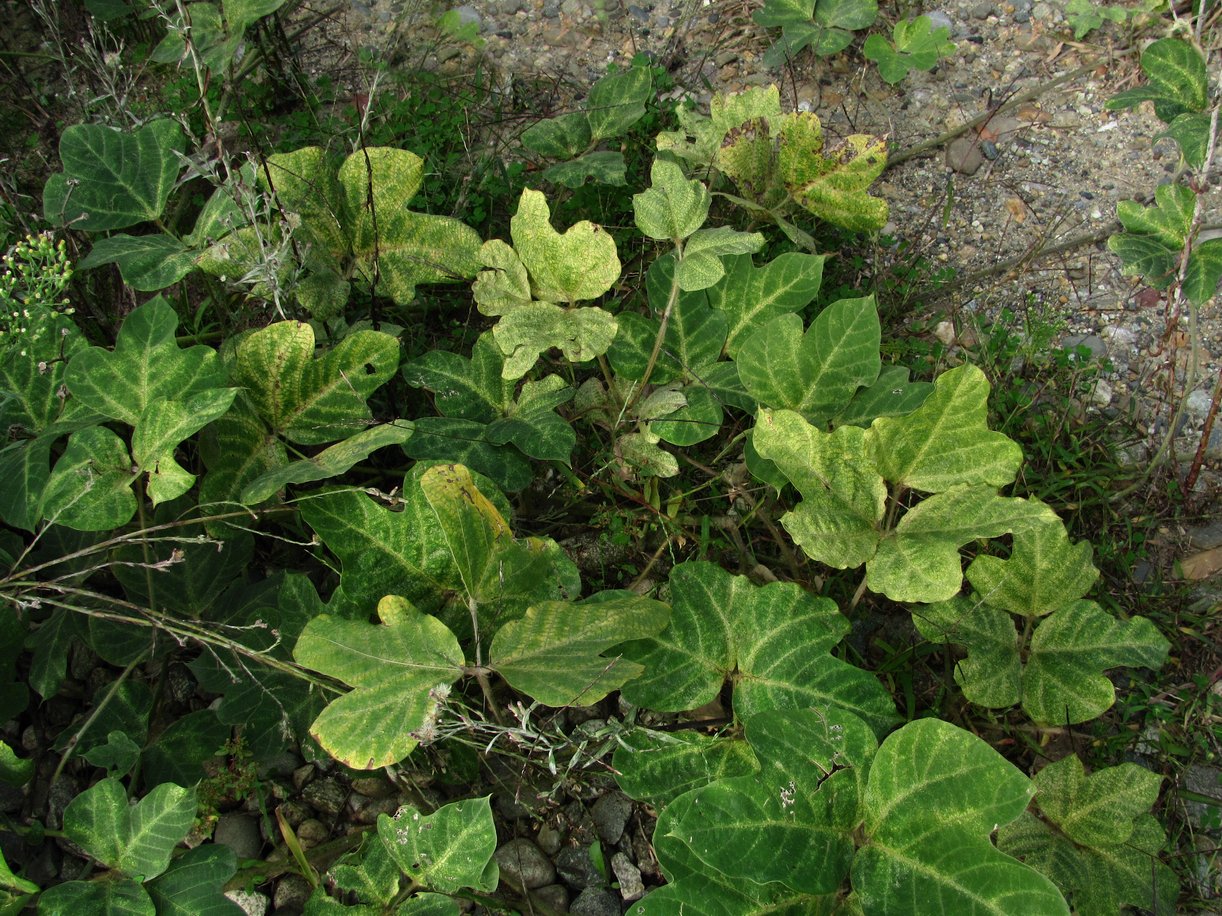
(824, 26)
(917, 46)
(1085, 16)
(36, 274)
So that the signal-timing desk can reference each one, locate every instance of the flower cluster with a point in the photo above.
(34, 273)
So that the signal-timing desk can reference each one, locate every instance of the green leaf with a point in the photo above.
(603, 166)
(935, 794)
(817, 373)
(751, 297)
(701, 266)
(14, 771)
(1064, 682)
(617, 101)
(1190, 131)
(239, 14)
(185, 751)
(370, 876)
(891, 395)
(447, 439)
(919, 560)
(307, 399)
(559, 138)
(1044, 572)
(673, 207)
(918, 46)
(384, 552)
(146, 262)
(526, 333)
(90, 486)
(330, 462)
(400, 673)
(162, 427)
(832, 182)
(145, 365)
(448, 850)
(117, 756)
(1204, 271)
(1156, 235)
(723, 627)
(136, 839)
(395, 248)
(1097, 810)
(556, 653)
(113, 179)
(194, 885)
(10, 882)
(110, 896)
(1099, 881)
(839, 519)
(1177, 81)
(658, 767)
(579, 264)
(946, 441)
(991, 674)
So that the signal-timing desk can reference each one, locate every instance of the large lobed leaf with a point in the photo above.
(136, 840)
(113, 179)
(448, 850)
(935, 795)
(400, 672)
(557, 653)
(774, 641)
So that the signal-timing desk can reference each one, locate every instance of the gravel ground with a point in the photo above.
(1060, 162)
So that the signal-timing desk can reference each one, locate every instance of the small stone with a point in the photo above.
(240, 832)
(964, 156)
(549, 839)
(252, 903)
(555, 896)
(373, 786)
(326, 796)
(631, 887)
(940, 20)
(292, 892)
(524, 864)
(468, 15)
(1102, 395)
(945, 332)
(610, 814)
(302, 775)
(1198, 403)
(982, 10)
(596, 901)
(367, 810)
(311, 832)
(1093, 343)
(576, 868)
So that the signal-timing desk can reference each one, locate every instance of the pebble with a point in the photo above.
(1196, 404)
(555, 896)
(596, 901)
(252, 903)
(292, 892)
(326, 796)
(524, 864)
(610, 814)
(240, 832)
(631, 887)
(576, 868)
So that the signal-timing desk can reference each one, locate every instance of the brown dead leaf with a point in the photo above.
(1201, 565)
(1017, 209)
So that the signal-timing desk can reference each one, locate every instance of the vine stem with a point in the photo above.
(93, 716)
(657, 344)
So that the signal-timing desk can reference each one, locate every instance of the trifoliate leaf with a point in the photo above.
(920, 561)
(138, 839)
(673, 207)
(839, 519)
(816, 373)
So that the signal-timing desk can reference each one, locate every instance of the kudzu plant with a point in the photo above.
(400, 615)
